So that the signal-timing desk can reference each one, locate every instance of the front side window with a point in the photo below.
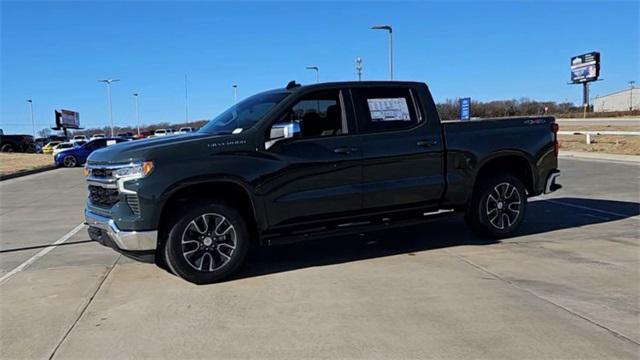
(244, 114)
(315, 115)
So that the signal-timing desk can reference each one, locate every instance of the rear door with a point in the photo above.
(319, 173)
(402, 150)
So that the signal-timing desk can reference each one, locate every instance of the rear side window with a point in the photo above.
(385, 109)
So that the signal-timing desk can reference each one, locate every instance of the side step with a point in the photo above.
(342, 229)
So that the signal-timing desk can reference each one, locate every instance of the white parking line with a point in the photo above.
(589, 208)
(41, 253)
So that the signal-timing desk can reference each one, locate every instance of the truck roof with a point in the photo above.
(374, 83)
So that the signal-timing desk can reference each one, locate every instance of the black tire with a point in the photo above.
(69, 161)
(184, 237)
(498, 207)
(7, 148)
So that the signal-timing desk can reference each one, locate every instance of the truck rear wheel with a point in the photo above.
(207, 243)
(498, 207)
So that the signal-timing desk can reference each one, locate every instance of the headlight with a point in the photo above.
(134, 170)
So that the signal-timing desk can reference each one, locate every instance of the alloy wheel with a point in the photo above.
(503, 206)
(69, 161)
(208, 242)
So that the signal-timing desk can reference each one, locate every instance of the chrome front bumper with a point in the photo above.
(124, 240)
(551, 184)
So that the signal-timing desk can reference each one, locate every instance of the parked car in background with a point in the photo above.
(78, 155)
(67, 145)
(16, 143)
(80, 138)
(40, 142)
(186, 130)
(127, 135)
(162, 132)
(48, 148)
(143, 134)
(97, 136)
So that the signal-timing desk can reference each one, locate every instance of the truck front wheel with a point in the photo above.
(207, 243)
(498, 207)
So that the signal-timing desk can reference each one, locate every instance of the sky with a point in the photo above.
(55, 52)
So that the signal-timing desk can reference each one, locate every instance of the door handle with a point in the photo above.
(427, 143)
(346, 150)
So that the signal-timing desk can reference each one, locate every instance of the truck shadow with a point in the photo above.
(543, 216)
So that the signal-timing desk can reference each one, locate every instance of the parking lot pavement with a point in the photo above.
(567, 287)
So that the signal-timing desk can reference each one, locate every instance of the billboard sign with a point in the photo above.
(67, 119)
(585, 67)
(465, 108)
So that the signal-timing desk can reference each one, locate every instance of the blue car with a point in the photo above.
(78, 155)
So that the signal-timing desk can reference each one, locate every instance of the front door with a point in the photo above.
(319, 173)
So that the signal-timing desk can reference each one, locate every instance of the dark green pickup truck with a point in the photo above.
(309, 162)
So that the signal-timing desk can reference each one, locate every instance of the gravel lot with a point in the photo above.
(567, 287)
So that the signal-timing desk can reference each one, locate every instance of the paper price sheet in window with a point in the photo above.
(389, 109)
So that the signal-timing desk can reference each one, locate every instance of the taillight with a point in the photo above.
(556, 144)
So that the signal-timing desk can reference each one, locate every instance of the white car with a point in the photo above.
(67, 145)
(163, 132)
(97, 136)
(77, 138)
(186, 130)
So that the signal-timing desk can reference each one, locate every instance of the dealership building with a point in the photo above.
(618, 101)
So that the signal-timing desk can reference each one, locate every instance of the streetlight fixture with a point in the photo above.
(33, 122)
(109, 82)
(390, 37)
(631, 83)
(135, 96)
(235, 93)
(317, 70)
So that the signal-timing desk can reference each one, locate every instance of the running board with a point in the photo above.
(351, 228)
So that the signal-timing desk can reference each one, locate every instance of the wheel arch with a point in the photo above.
(516, 163)
(230, 190)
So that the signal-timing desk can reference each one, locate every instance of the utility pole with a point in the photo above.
(359, 68)
(235, 93)
(585, 98)
(317, 72)
(631, 83)
(33, 122)
(186, 100)
(109, 82)
(135, 96)
(390, 40)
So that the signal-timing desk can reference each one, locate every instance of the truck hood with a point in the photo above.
(148, 149)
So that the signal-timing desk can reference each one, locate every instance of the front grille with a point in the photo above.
(103, 197)
(134, 203)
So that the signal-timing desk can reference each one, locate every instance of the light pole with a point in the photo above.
(317, 72)
(359, 68)
(631, 95)
(135, 96)
(390, 31)
(109, 82)
(186, 100)
(33, 122)
(235, 93)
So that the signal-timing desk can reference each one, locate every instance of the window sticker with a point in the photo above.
(111, 142)
(389, 109)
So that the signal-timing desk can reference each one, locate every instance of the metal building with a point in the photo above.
(618, 101)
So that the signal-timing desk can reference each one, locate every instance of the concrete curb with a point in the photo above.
(600, 156)
(27, 172)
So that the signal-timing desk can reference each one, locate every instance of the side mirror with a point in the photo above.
(281, 131)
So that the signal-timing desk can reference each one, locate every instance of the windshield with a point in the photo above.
(243, 115)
